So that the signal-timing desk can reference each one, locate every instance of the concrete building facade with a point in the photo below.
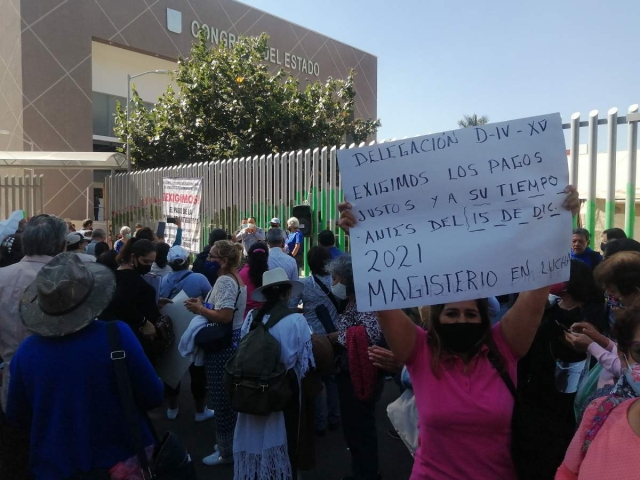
(64, 66)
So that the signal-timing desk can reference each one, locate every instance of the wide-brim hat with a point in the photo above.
(274, 277)
(66, 296)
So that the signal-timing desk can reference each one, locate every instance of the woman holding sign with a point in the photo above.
(460, 368)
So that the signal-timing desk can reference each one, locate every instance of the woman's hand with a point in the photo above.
(194, 305)
(347, 219)
(148, 329)
(588, 329)
(384, 359)
(578, 341)
(572, 200)
(162, 302)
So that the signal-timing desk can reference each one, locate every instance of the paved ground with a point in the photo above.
(332, 456)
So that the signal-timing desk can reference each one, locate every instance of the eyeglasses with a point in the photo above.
(213, 257)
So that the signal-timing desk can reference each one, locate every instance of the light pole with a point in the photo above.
(7, 132)
(129, 78)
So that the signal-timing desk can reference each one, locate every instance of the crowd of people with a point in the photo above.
(538, 385)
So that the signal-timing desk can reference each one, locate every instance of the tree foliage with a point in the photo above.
(230, 105)
(473, 121)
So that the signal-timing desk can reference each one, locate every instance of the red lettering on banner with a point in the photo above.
(181, 198)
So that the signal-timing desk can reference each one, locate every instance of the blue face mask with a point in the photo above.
(212, 265)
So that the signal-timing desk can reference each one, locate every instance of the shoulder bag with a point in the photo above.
(215, 337)
(322, 312)
(404, 418)
(170, 459)
(523, 448)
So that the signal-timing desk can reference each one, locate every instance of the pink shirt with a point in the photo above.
(608, 358)
(251, 304)
(464, 417)
(613, 452)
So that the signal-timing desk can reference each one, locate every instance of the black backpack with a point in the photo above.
(255, 378)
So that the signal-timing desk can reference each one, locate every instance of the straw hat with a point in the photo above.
(66, 296)
(274, 277)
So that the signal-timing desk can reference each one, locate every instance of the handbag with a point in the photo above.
(165, 336)
(403, 414)
(170, 459)
(215, 337)
(523, 448)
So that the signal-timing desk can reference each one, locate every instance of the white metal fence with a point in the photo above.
(270, 185)
(21, 193)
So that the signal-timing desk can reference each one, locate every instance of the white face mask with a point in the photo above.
(339, 290)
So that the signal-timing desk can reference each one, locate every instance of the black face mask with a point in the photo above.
(142, 269)
(603, 247)
(460, 337)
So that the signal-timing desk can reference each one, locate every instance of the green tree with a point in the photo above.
(230, 105)
(473, 121)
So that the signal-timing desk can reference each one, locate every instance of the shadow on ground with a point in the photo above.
(332, 456)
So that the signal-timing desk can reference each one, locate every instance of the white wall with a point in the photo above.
(110, 66)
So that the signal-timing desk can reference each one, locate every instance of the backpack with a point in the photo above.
(255, 378)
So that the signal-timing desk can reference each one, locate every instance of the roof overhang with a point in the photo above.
(93, 160)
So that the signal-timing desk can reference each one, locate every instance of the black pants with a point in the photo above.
(14, 451)
(198, 383)
(292, 423)
(359, 427)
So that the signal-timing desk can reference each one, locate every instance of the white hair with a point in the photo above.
(125, 230)
(293, 222)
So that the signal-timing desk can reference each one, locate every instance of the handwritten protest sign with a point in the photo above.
(459, 215)
(181, 198)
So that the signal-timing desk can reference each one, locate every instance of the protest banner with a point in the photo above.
(181, 198)
(172, 366)
(459, 215)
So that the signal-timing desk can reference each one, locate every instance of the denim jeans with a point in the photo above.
(328, 403)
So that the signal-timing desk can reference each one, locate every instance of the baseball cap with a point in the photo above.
(276, 220)
(177, 255)
(74, 237)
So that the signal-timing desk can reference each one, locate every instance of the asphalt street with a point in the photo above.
(332, 456)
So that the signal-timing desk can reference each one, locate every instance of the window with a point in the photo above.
(104, 110)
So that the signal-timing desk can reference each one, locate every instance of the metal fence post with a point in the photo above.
(590, 221)
(630, 202)
(610, 201)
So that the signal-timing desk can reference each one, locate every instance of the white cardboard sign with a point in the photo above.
(172, 366)
(459, 215)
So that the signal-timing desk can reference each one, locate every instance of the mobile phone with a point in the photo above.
(171, 219)
(566, 329)
(161, 228)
